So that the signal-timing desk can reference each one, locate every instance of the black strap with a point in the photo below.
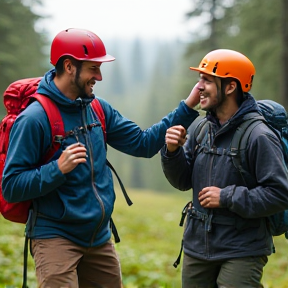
(183, 216)
(242, 134)
(25, 261)
(29, 226)
(184, 212)
(200, 129)
(128, 200)
(114, 231)
(238, 147)
(177, 262)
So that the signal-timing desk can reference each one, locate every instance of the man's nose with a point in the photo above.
(200, 85)
(98, 76)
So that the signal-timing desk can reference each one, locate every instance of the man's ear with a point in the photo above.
(68, 66)
(231, 87)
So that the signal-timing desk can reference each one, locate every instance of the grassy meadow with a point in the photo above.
(150, 243)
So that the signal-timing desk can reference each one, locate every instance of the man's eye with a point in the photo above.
(205, 80)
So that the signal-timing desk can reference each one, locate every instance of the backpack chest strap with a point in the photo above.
(217, 151)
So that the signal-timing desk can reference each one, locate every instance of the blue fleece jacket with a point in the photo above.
(79, 204)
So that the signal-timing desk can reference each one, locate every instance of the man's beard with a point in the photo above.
(221, 97)
(81, 87)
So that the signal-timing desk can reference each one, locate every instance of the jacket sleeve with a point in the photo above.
(176, 169)
(30, 132)
(178, 166)
(266, 164)
(127, 137)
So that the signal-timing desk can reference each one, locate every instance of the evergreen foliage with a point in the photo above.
(149, 78)
(255, 28)
(22, 49)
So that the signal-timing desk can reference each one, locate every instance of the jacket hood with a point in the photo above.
(48, 88)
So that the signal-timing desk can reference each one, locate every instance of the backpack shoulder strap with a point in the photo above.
(239, 144)
(97, 107)
(56, 123)
(242, 133)
(198, 128)
(201, 130)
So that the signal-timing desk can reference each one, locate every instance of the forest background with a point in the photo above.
(149, 79)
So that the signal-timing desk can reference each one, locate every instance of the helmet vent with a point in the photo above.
(85, 50)
(251, 80)
(215, 67)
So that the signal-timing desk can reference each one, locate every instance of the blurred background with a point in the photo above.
(154, 42)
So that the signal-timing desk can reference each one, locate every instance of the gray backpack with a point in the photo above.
(275, 117)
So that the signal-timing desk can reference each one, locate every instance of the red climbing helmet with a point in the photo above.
(81, 44)
(226, 63)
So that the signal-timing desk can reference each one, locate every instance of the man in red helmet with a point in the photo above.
(73, 195)
(226, 239)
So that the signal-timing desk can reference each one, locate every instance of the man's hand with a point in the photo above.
(209, 197)
(175, 137)
(71, 157)
(194, 98)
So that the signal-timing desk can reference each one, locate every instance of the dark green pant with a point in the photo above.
(229, 273)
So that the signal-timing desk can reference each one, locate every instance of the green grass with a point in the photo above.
(150, 243)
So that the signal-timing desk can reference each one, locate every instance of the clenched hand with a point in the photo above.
(175, 137)
(71, 157)
(209, 197)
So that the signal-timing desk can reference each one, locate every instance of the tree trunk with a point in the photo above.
(213, 36)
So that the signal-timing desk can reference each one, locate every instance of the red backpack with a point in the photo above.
(16, 98)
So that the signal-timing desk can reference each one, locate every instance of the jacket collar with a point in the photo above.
(248, 105)
(48, 88)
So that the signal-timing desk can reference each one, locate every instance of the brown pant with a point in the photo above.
(61, 263)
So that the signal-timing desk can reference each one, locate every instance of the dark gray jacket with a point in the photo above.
(239, 227)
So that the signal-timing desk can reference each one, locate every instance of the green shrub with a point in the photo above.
(150, 243)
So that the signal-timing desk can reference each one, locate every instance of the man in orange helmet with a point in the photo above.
(226, 239)
(73, 195)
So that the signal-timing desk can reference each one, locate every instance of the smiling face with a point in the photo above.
(210, 92)
(86, 76)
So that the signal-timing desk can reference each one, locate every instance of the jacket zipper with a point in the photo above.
(210, 214)
(89, 144)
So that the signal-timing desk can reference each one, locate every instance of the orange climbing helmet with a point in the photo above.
(226, 63)
(81, 44)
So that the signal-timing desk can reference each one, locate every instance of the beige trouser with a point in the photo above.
(61, 263)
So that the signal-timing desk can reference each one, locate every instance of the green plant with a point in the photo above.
(150, 243)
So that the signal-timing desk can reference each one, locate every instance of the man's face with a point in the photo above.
(210, 92)
(86, 77)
